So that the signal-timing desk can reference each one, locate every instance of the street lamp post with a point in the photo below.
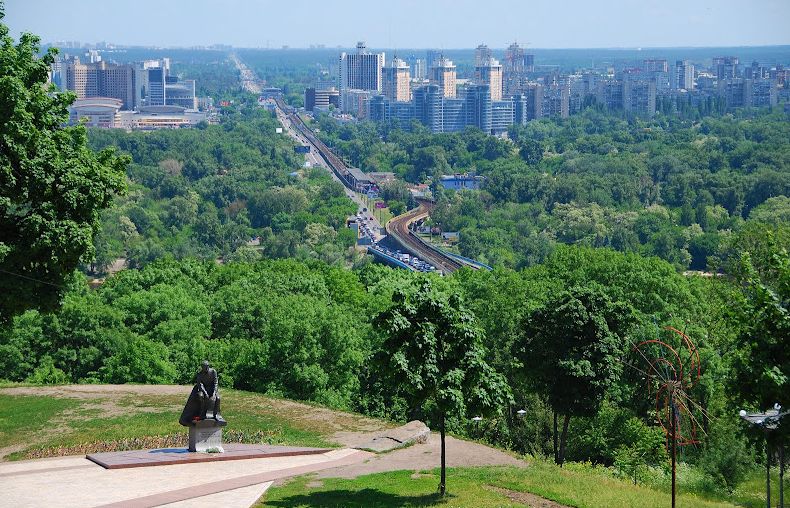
(767, 422)
(477, 420)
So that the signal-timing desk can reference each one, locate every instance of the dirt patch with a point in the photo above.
(419, 457)
(526, 498)
(95, 391)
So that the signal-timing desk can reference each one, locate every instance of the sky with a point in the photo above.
(442, 24)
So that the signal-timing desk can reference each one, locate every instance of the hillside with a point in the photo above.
(73, 419)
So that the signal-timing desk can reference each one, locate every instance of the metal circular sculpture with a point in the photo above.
(672, 372)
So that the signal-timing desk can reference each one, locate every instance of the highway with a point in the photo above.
(398, 227)
(429, 259)
(296, 129)
(249, 82)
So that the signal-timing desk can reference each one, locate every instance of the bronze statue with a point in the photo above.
(204, 399)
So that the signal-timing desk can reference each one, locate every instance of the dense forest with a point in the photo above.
(307, 330)
(670, 188)
(207, 192)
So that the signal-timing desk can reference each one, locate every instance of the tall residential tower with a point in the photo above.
(396, 78)
(443, 74)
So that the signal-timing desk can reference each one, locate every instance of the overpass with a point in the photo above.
(398, 228)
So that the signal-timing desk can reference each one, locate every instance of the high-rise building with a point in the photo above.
(726, 67)
(740, 93)
(516, 66)
(609, 93)
(533, 94)
(101, 79)
(396, 81)
(482, 55)
(489, 72)
(320, 100)
(360, 71)
(765, 92)
(155, 93)
(478, 107)
(180, 92)
(556, 100)
(655, 65)
(684, 75)
(419, 71)
(639, 96)
(755, 71)
(503, 115)
(431, 56)
(443, 74)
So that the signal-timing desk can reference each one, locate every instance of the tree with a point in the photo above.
(570, 349)
(433, 353)
(530, 151)
(762, 365)
(52, 186)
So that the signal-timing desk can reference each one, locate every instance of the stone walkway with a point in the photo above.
(78, 482)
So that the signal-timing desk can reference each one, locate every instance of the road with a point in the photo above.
(249, 81)
(322, 156)
(316, 160)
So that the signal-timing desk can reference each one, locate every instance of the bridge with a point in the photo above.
(399, 228)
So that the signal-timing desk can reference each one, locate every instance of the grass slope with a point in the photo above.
(476, 488)
(70, 420)
(61, 422)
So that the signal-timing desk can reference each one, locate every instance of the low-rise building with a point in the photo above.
(461, 181)
(96, 112)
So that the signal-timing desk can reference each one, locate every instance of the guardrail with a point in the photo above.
(395, 261)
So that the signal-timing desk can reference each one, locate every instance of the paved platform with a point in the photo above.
(78, 482)
(170, 456)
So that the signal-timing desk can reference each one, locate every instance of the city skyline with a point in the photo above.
(439, 24)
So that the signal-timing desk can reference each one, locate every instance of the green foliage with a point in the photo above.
(52, 187)
(433, 343)
(665, 187)
(763, 360)
(726, 457)
(207, 192)
(573, 346)
(433, 354)
(47, 374)
(139, 361)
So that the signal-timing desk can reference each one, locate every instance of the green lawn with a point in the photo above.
(49, 426)
(476, 487)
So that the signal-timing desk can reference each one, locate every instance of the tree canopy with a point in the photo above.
(52, 186)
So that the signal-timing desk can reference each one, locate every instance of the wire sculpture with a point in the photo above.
(671, 374)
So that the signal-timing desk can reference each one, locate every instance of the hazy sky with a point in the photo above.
(407, 23)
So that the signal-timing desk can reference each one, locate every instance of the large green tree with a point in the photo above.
(570, 349)
(762, 366)
(52, 186)
(433, 355)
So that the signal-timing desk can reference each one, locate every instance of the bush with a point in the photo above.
(47, 374)
(726, 458)
(140, 361)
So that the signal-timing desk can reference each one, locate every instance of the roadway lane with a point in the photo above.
(316, 160)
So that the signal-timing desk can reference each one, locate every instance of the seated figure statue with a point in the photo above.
(204, 399)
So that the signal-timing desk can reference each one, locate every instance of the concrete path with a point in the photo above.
(78, 482)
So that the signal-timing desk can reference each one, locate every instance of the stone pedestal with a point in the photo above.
(206, 436)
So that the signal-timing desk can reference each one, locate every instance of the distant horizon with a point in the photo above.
(439, 24)
(427, 48)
